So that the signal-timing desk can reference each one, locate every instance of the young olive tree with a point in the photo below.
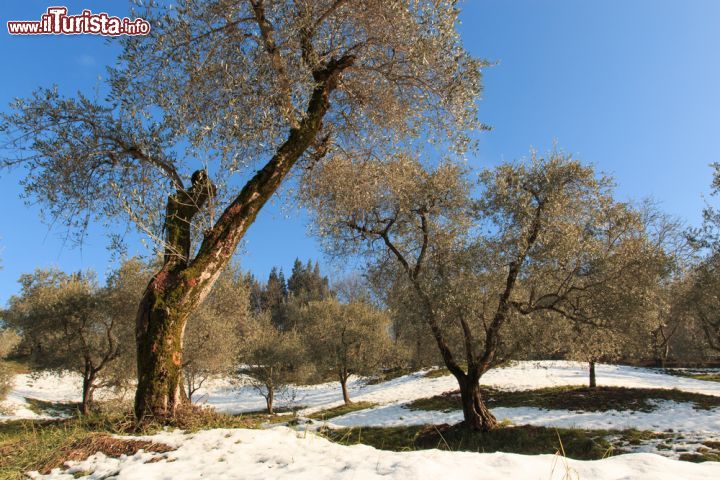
(208, 114)
(272, 358)
(62, 316)
(532, 243)
(345, 339)
(212, 342)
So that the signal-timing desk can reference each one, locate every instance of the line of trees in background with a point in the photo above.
(272, 333)
(528, 260)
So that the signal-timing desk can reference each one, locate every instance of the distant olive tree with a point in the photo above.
(271, 359)
(9, 339)
(213, 339)
(117, 301)
(345, 339)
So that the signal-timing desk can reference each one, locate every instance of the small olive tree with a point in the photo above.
(345, 339)
(64, 319)
(271, 359)
(213, 340)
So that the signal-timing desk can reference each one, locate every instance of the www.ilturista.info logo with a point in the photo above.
(57, 22)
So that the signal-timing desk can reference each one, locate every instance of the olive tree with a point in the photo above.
(207, 115)
(345, 339)
(532, 243)
(704, 300)
(62, 316)
(271, 358)
(212, 342)
(705, 275)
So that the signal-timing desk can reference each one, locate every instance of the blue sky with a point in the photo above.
(630, 86)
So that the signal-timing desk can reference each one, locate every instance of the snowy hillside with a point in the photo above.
(280, 452)
(390, 397)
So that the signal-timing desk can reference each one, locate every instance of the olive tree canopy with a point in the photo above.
(544, 236)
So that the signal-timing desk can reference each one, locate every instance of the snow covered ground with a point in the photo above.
(282, 453)
(46, 387)
(390, 397)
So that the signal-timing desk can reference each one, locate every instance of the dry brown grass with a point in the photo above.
(83, 448)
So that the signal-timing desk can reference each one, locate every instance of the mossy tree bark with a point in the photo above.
(183, 282)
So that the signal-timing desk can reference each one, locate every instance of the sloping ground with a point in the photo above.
(282, 453)
(668, 415)
(391, 395)
(519, 376)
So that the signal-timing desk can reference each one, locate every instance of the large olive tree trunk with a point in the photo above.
(182, 283)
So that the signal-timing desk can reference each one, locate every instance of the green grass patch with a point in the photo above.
(387, 375)
(276, 410)
(699, 457)
(42, 407)
(530, 440)
(341, 410)
(523, 439)
(573, 398)
(437, 372)
(709, 376)
(622, 438)
(17, 367)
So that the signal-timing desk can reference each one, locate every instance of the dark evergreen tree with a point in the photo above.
(274, 297)
(306, 283)
(255, 292)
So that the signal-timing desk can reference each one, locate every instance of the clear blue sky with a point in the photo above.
(630, 86)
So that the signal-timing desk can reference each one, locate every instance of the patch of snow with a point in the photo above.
(282, 453)
(669, 415)
(65, 387)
